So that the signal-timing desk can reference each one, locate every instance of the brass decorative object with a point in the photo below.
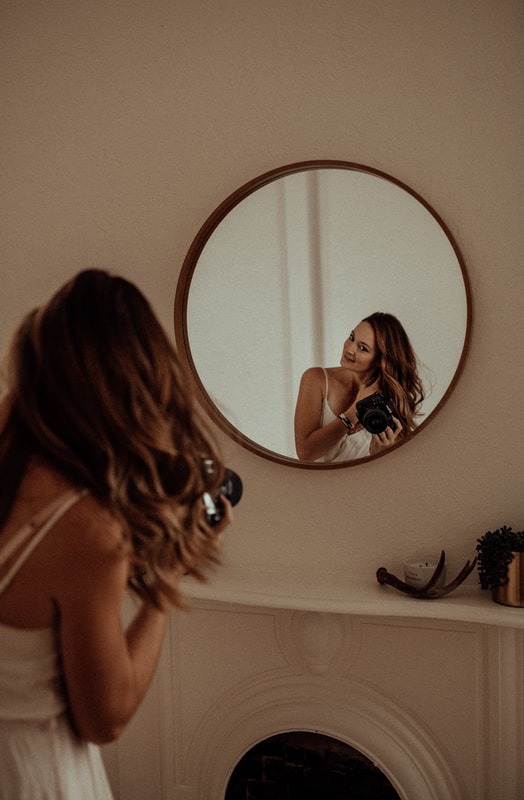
(429, 591)
(501, 565)
(512, 592)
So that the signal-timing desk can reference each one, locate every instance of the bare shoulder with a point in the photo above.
(313, 376)
(89, 533)
(83, 554)
(97, 519)
(89, 559)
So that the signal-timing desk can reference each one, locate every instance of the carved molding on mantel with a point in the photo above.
(354, 713)
(318, 641)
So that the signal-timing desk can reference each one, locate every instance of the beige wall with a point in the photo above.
(124, 125)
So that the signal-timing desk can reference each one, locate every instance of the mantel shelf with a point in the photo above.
(340, 594)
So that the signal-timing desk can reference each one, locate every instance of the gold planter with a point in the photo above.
(512, 594)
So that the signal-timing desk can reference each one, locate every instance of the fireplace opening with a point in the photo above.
(303, 765)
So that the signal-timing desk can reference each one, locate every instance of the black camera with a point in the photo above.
(231, 487)
(375, 413)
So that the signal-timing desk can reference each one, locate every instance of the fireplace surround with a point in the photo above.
(429, 692)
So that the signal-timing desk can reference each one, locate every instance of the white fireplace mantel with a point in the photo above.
(338, 593)
(430, 690)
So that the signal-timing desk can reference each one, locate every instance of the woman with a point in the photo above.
(101, 471)
(376, 357)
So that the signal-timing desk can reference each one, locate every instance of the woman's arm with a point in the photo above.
(311, 440)
(107, 670)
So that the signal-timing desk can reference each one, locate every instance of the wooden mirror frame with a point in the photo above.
(184, 283)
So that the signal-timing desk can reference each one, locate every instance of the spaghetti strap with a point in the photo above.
(326, 379)
(27, 534)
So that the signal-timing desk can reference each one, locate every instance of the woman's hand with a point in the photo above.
(381, 441)
(364, 391)
(227, 517)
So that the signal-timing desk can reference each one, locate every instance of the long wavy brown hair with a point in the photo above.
(398, 376)
(97, 390)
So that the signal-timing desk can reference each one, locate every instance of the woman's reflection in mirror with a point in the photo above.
(378, 357)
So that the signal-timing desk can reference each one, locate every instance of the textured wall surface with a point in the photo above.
(125, 124)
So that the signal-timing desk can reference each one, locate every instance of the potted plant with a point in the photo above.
(500, 565)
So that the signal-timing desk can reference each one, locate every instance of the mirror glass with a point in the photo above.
(287, 266)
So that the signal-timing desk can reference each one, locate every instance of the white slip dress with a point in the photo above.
(348, 447)
(41, 757)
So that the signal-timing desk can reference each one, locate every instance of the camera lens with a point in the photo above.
(375, 421)
(231, 488)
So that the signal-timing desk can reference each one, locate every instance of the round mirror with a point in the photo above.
(286, 267)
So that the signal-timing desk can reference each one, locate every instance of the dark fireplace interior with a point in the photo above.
(302, 765)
